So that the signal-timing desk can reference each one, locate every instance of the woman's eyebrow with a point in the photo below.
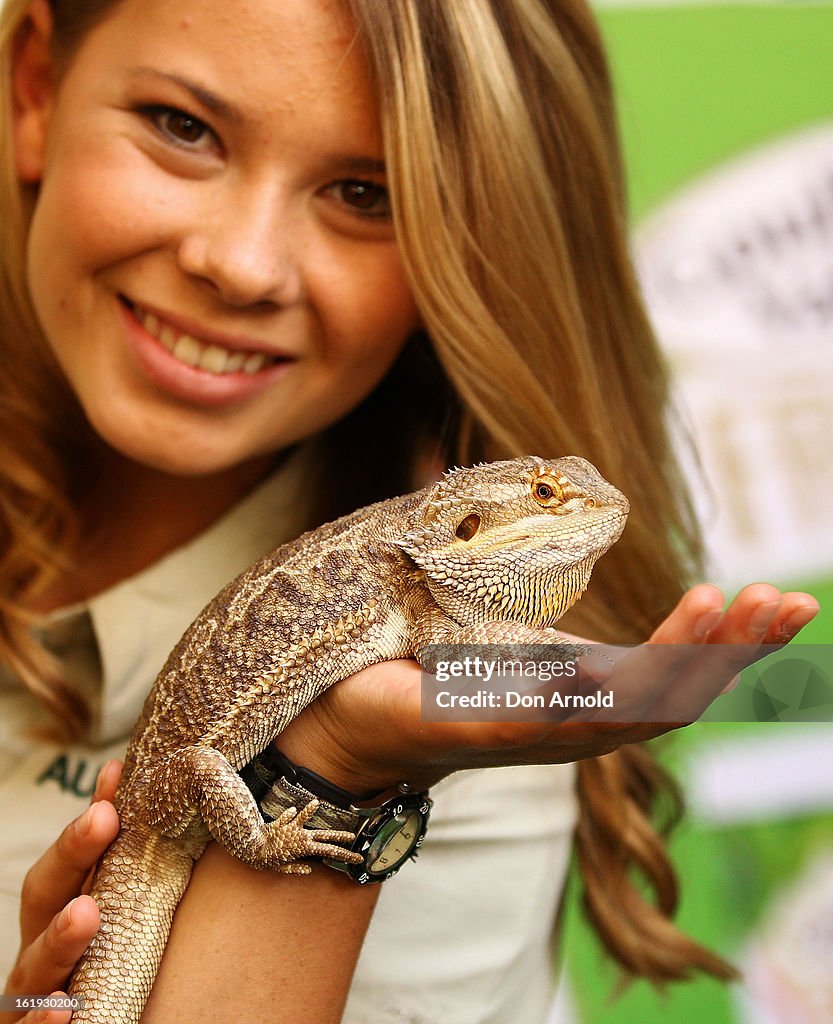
(358, 165)
(210, 100)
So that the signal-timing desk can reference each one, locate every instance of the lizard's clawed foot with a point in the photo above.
(288, 841)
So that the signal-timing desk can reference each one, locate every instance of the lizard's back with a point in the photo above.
(245, 632)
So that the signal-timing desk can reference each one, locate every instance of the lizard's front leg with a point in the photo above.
(200, 781)
(435, 632)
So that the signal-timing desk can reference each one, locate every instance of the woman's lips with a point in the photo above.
(205, 355)
(196, 368)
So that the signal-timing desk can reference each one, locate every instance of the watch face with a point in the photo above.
(390, 837)
(394, 842)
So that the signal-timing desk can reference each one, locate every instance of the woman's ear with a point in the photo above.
(32, 90)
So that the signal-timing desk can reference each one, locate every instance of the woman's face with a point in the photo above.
(212, 257)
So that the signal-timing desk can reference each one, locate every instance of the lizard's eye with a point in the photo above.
(550, 491)
(590, 503)
(468, 527)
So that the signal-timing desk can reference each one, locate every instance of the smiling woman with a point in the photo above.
(189, 219)
(261, 264)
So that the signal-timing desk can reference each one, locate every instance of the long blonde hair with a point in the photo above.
(504, 171)
(502, 149)
(40, 431)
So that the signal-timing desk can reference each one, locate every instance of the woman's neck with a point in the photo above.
(131, 516)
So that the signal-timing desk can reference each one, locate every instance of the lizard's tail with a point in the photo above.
(137, 887)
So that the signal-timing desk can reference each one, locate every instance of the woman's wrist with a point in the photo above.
(335, 767)
(310, 743)
(363, 734)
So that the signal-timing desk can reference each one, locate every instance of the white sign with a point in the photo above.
(738, 276)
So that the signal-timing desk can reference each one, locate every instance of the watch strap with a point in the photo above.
(282, 794)
(278, 784)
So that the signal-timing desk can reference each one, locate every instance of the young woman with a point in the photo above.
(263, 264)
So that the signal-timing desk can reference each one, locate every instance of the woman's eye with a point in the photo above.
(181, 128)
(366, 197)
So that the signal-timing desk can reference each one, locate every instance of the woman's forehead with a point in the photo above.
(254, 61)
(240, 36)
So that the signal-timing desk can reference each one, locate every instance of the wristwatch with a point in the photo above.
(388, 833)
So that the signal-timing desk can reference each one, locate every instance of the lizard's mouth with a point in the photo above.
(539, 537)
(499, 542)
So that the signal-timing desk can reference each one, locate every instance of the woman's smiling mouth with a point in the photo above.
(195, 365)
(203, 355)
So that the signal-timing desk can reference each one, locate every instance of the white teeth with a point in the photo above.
(187, 350)
(254, 363)
(167, 335)
(214, 359)
(209, 357)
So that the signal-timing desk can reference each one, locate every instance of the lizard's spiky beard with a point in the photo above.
(535, 587)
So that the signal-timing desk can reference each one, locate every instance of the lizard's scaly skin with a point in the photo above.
(376, 585)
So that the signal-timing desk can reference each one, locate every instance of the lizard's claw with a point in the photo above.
(296, 868)
(299, 817)
(323, 838)
(287, 841)
(304, 815)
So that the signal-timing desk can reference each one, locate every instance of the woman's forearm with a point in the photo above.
(248, 946)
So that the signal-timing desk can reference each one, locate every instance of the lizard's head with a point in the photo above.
(515, 540)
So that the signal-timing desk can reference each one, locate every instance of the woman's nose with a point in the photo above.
(247, 248)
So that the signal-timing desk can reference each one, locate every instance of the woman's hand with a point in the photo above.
(367, 732)
(57, 922)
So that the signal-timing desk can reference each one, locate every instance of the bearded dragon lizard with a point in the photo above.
(492, 554)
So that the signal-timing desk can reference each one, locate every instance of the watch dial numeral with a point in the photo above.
(390, 837)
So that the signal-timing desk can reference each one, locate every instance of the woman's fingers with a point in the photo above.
(697, 612)
(797, 611)
(56, 923)
(743, 635)
(749, 617)
(761, 614)
(60, 873)
(643, 676)
(731, 643)
(107, 781)
(45, 1016)
(46, 962)
(698, 651)
(669, 681)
